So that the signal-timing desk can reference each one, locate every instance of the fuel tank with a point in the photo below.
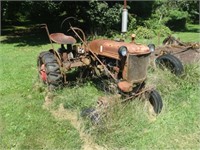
(109, 48)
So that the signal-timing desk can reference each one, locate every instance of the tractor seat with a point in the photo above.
(61, 38)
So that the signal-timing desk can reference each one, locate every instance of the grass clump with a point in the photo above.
(130, 126)
(78, 97)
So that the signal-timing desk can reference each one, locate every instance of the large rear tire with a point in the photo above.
(170, 62)
(49, 70)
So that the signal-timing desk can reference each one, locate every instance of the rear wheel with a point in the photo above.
(156, 101)
(49, 70)
(170, 62)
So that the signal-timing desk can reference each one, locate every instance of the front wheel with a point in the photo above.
(92, 114)
(156, 101)
(170, 62)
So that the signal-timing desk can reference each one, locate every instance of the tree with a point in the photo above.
(175, 13)
(14, 11)
(102, 17)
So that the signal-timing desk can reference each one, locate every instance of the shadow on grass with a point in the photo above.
(193, 28)
(24, 37)
(80, 78)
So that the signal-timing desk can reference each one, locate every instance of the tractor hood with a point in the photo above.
(110, 48)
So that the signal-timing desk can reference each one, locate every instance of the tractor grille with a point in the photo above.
(137, 68)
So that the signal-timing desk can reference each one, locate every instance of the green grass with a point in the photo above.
(25, 124)
(192, 34)
(130, 126)
(177, 127)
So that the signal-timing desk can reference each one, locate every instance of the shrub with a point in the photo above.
(163, 31)
(132, 24)
(177, 20)
(143, 32)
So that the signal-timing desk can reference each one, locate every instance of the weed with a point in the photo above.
(25, 124)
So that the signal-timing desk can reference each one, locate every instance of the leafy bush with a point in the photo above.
(133, 23)
(143, 32)
(149, 28)
(177, 19)
(148, 33)
(103, 17)
(157, 27)
(163, 31)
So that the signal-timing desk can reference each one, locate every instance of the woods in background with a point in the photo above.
(146, 18)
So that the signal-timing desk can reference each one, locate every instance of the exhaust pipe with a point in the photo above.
(124, 18)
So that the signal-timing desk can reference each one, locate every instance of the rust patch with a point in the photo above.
(110, 48)
(125, 86)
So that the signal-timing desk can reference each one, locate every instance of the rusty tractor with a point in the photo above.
(124, 63)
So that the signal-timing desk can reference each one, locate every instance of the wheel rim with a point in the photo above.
(43, 74)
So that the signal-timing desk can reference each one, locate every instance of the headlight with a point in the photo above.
(123, 51)
(151, 47)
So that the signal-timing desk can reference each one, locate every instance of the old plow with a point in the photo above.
(187, 52)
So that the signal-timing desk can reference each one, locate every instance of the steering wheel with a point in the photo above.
(77, 31)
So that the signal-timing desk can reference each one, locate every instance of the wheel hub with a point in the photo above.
(43, 73)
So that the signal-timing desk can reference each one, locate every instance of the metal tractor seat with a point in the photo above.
(61, 38)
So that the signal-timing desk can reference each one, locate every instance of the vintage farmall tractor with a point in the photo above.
(124, 63)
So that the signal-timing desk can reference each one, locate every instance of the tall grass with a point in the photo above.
(24, 124)
(130, 126)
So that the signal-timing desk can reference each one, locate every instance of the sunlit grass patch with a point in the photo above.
(25, 124)
(129, 126)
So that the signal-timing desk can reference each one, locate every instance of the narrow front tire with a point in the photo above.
(156, 101)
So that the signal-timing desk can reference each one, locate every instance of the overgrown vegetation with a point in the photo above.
(104, 17)
(131, 125)
(26, 124)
